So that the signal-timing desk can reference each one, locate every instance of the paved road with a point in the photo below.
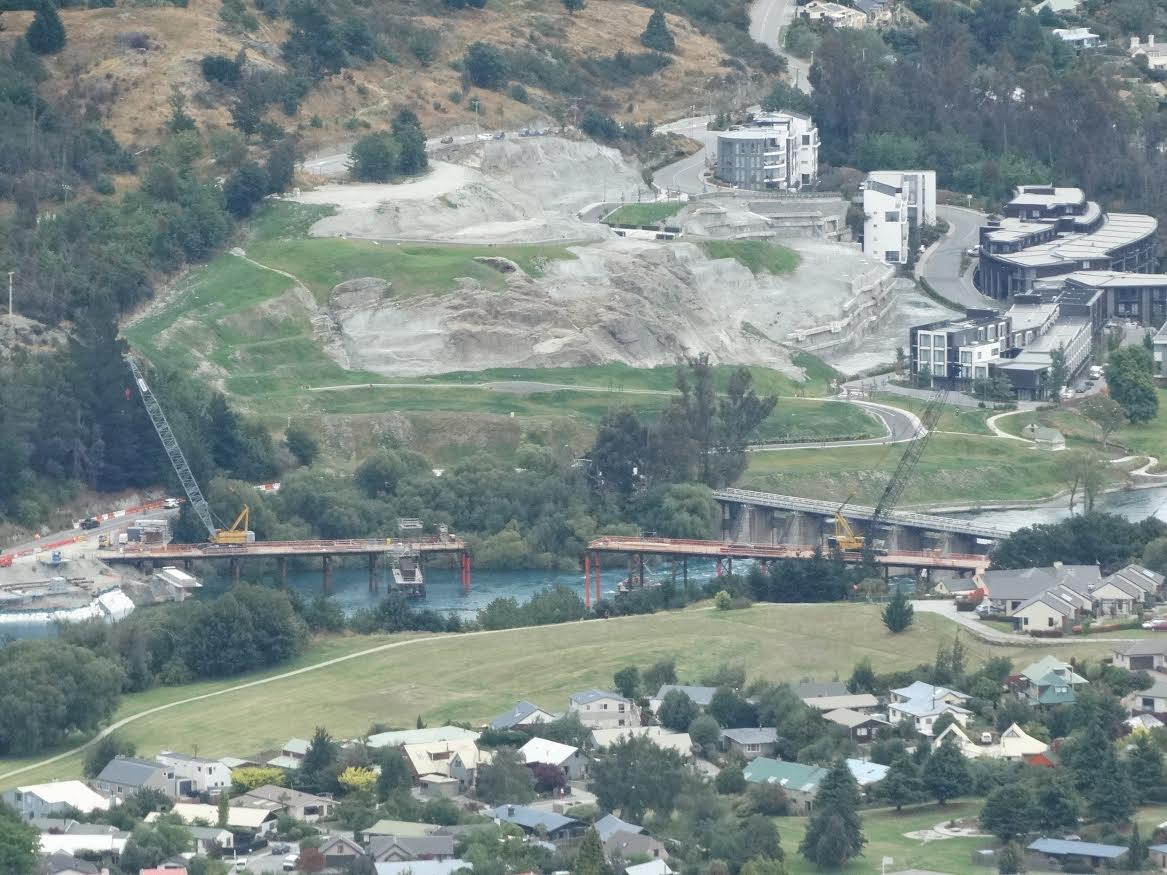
(89, 535)
(899, 426)
(942, 265)
(970, 621)
(882, 383)
(686, 175)
(767, 18)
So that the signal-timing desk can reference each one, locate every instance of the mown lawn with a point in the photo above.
(954, 468)
(758, 255)
(1147, 439)
(644, 214)
(474, 677)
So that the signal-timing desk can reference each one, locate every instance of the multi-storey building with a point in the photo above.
(896, 202)
(774, 151)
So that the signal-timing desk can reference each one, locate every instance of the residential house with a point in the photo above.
(282, 800)
(1152, 700)
(533, 821)
(1145, 654)
(699, 696)
(953, 586)
(196, 775)
(568, 759)
(84, 844)
(834, 14)
(1065, 853)
(1049, 681)
(750, 742)
(877, 11)
(1157, 856)
(658, 735)
(1147, 580)
(1126, 592)
(862, 727)
(621, 846)
(340, 851)
(608, 825)
(801, 782)
(1008, 589)
(43, 800)
(438, 763)
(391, 849)
(1144, 723)
(123, 776)
(863, 702)
(652, 867)
(423, 867)
(1050, 612)
(819, 690)
(400, 828)
(291, 754)
(66, 864)
(1155, 54)
(866, 772)
(432, 786)
(1078, 37)
(1014, 744)
(523, 715)
(240, 819)
(206, 838)
(598, 709)
(923, 704)
(428, 735)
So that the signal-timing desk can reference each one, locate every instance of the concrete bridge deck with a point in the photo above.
(925, 521)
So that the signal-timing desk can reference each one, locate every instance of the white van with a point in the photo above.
(290, 863)
(1096, 372)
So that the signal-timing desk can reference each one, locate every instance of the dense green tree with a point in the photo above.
(46, 33)
(1106, 539)
(902, 785)
(1145, 766)
(862, 678)
(730, 780)
(321, 763)
(619, 454)
(945, 773)
(897, 616)
(677, 711)
(681, 510)
(589, 859)
(280, 167)
(1010, 860)
(658, 674)
(485, 66)
(1008, 812)
(221, 69)
(1055, 802)
(627, 681)
(657, 35)
(768, 799)
(1130, 379)
(730, 708)
(1059, 374)
(103, 750)
(19, 843)
(375, 158)
(705, 731)
(301, 444)
(394, 776)
(1136, 853)
(1109, 795)
(505, 780)
(834, 834)
(150, 844)
(634, 775)
(784, 96)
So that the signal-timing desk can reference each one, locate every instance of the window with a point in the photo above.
(752, 748)
(604, 707)
(861, 731)
(924, 339)
(621, 707)
(1049, 621)
(966, 358)
(892, 256)
(1148, 704)
(891, 216)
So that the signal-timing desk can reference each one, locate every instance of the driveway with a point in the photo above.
(882, 383)
(942, 266)
(687, 175)
(969, 620)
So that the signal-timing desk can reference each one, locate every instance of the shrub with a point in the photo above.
(222, 70)
(485, 66)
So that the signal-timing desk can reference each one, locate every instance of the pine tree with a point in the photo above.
(835, 832)
(1145, 765)
(1010, 860)
(1109, 795)
(1008, 812)
(945, 773)
(589, 859)
(899, 613)
(657, 35)
(46, 34)
(1136, 854)
(224, 812)
(902, 785)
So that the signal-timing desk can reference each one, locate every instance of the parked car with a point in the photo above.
(501, 135)
(90, 523)
(973, 251)
(447, 140)
(240, 864)
(291, 862)
(279, 847)
(1159, 624)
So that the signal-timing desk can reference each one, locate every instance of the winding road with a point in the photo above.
(942, 266)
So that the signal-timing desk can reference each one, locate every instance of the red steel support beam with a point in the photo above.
(587, 581)
(596, 573)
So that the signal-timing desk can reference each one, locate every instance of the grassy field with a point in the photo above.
(1149, 438)
(955, 467)
(481, 675)
(758, 255)
(644, 214)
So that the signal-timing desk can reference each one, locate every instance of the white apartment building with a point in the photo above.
(778, 150)
(895, 202)
(195, 774)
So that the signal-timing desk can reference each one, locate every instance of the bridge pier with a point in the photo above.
(327, 572)
(373, 584)
(235, 568)
(596, 576)
(464, 569)
(587, 570)
(282, 562)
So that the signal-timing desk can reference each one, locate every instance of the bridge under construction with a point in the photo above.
(726, 551)
(376, 550)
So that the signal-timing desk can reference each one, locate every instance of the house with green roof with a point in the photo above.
(801, 782)
(1049, 681)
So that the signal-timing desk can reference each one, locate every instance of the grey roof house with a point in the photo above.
(610, 824)
(522, 715)
(700, 696)
(750, 742)
(123, 776)
(1145, 654)
(816, 690)
(535, 822)
(1009, 588)
(389, 849)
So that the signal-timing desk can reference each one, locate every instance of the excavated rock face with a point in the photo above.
(18, 334)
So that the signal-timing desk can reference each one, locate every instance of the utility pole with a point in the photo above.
(10, 275)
